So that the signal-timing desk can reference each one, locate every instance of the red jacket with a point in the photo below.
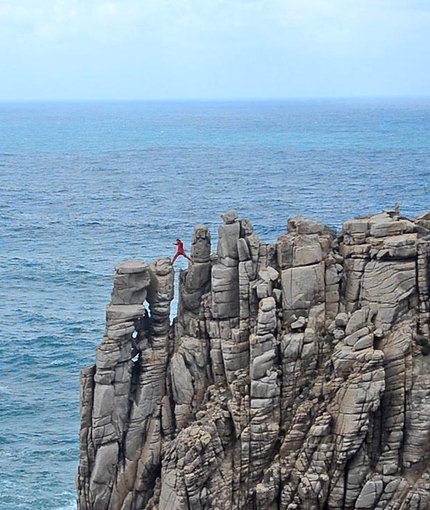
(180, 246)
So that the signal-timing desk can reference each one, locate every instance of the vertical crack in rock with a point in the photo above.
(296, 375)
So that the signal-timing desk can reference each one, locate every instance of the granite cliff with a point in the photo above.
(296, 375)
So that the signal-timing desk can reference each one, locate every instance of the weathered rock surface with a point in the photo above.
(296, 375)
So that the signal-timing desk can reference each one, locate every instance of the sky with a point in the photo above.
(213, 49)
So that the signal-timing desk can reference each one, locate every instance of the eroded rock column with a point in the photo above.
(296, 376)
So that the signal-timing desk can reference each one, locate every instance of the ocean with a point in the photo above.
(84, 186)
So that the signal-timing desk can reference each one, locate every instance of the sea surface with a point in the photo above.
(84, 186)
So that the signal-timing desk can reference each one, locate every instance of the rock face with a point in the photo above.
(296, 375)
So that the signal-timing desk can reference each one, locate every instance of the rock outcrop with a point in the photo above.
(296, 375)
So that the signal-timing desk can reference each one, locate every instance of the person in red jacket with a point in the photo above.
(180, 251)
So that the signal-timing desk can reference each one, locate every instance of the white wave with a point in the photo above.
(5, 390)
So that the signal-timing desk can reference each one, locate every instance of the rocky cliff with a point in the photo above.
(296, 375)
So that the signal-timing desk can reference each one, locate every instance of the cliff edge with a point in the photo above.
(296, 375)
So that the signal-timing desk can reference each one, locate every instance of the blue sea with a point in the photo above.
(84, 186)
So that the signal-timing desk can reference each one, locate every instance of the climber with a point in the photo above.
(180, 251)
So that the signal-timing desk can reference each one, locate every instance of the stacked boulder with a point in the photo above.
(295, 375)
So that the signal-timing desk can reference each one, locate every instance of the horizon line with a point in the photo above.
(216, 100)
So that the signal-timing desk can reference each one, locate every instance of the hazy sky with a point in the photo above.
(173, 49)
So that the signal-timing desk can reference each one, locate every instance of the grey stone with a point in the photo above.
(246, 227)
(229, 217)
(338, 334)
(198, 277)
(264, 290)
(108, 354)
(268, 274)
(228, 236)
(201, 244)
(306, 255)
(357, 226)
(122, 331)
(131, 267)
(284, 251)
(299, 323)
(369, 494)
(354, 337)
(131, 281)
(182, 385)
(124, 313)
(341, 319)
(243, 250)
(261, 364)
(357, 321)
(332, 276)
(303, 286)
(364, 342)
(391, 228)
(305, 226)
(388, 282)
